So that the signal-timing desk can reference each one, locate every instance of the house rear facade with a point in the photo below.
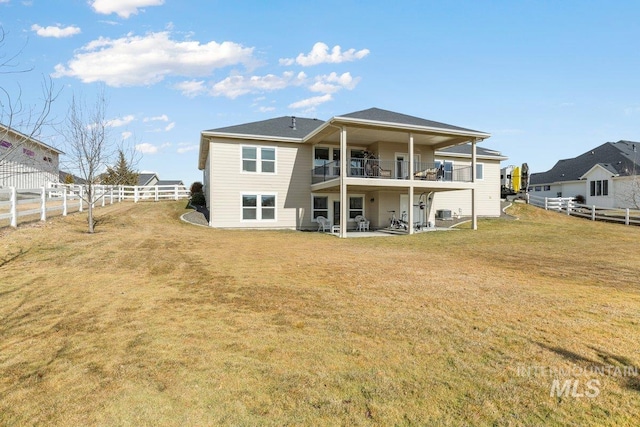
(287, 171)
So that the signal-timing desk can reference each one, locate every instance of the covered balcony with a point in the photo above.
(396, 170)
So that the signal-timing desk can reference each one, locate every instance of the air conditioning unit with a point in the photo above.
(444, 214)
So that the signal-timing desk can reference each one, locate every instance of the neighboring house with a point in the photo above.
(606, 176)
(285, 172)
(25, 162)
(177, 182)
(147, 179)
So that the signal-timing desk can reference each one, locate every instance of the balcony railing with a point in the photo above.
(384, 169)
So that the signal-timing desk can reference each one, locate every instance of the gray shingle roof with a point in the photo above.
(379, 115)
(617, 157)
(144, 178)
(280, 127)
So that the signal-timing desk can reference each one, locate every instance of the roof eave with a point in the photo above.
(408, 127)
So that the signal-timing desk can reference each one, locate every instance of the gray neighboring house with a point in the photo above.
(147, 179)
(606, 176)
(287, 171)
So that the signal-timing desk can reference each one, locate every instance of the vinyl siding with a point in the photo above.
(487, 192)
(291, 184)
(22, 171)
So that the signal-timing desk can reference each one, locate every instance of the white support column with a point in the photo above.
(343, 185)
(474, 215)
(43, 204)
(64, 201)
(411, 172)
(14, 207)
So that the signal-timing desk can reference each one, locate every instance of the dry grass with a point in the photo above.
(155, 322)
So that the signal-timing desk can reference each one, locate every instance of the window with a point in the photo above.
(5, 144)
(479, 171)
(538, 188)
(258, 159)
(356, 206)
(447, 170)
(258, 207)
(320, 206)
(28, 152)
(547, 188)
(322, 156)
(599, 187)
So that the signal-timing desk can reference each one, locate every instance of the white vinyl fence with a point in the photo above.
(569, 206)
(61, 199)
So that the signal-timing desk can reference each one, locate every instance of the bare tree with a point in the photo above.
(91, 149)
(21, 122)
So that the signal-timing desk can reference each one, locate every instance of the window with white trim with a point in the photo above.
(258, 207)
(320, 206)
(599, 187)
(356, 206)
(258, 159)
(479, 171)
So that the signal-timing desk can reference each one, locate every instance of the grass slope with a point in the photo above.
(155, 322)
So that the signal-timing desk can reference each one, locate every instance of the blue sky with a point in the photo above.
(548, 79)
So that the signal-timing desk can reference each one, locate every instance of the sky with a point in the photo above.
(547, 79)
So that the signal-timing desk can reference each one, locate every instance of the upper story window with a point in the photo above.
(258, 159)
(479, 171)
(28, 152)
(5, 144)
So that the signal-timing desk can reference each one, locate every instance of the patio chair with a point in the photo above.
(362, 223)
(323, 223)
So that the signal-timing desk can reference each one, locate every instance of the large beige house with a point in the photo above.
(288, 171)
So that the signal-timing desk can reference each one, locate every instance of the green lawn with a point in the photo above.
(152, 321)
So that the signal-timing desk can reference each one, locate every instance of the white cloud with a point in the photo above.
(185, 148)
(192, 88)
(123, 8)
(146, 148)
(126, 135)
(234, 86)
(266, 109)
(115, 123)
(311, 103)
(162, 118)
(55, 31)
(170, 126)
(320, 55)
(333, 82)
(146, 60)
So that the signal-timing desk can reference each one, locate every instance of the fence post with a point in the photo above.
(156, 190)
(14, 207)
(593, 212)
(81, 194)
(175, 192)
(64, 201)
(43, 204)
(568, 207)
(626, 217)
(111, 195)
(546, 203)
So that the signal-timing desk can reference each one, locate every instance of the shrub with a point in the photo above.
(197, 199)
(196, 187)
(580, 199)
